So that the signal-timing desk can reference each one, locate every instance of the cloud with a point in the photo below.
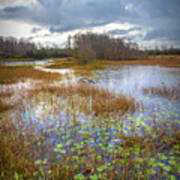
(64, 16)
(124, 31)
(173, 35)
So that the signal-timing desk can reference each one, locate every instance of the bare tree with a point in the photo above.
(105, 47)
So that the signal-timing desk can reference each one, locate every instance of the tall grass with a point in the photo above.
(172, 92)
(4, 106)
(13, 74)
(99, 101)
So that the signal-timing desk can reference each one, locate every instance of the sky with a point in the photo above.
(150, 23)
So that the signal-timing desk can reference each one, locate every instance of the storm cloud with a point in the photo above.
(61, 16)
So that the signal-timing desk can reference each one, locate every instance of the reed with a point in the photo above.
(15, 74)
(100, 101)
(4, 106)
(164, 91)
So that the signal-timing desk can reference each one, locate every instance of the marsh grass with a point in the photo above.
(168, 61)
(6, 93)
(174, 72)
(4, 106)
(100, 101)
(74, 64)
(172, 92)
(14, 164)
(81, 73)
(14, 74)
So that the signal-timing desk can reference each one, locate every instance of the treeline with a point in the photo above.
(84, 47)
(164, 51)
(46, 53)
(102, 46)
(11, 47)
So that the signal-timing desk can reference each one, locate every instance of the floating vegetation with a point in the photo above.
(49, 138)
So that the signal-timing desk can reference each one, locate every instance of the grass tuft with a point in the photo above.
(164, 91)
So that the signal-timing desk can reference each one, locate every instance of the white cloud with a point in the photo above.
(112, 26)
(16, 28)
(42, 34)
(12, 3)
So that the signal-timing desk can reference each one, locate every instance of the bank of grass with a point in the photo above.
(74, 64)
(172, 93)
(14, 74)
(167, 61)
(81, 73)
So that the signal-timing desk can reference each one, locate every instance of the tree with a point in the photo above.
(90, 46)
(85, 53)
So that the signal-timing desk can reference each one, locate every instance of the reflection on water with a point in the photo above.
(21, 63)
(131, 79)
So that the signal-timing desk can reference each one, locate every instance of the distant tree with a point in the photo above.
(85, 53)
(102, 46)
(68, 45)
(12, 47)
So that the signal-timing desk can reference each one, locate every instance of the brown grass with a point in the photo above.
(4, 106)
(163, 91)
(168, 61)
(74, 64)
(6, 93)
(13, 150)
(91, 99)
(13, 74)
(174, 72)
(81, 73)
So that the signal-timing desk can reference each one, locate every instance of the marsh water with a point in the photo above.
(22, 63)
(65, 131)
(131, 80)
(128, 80)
